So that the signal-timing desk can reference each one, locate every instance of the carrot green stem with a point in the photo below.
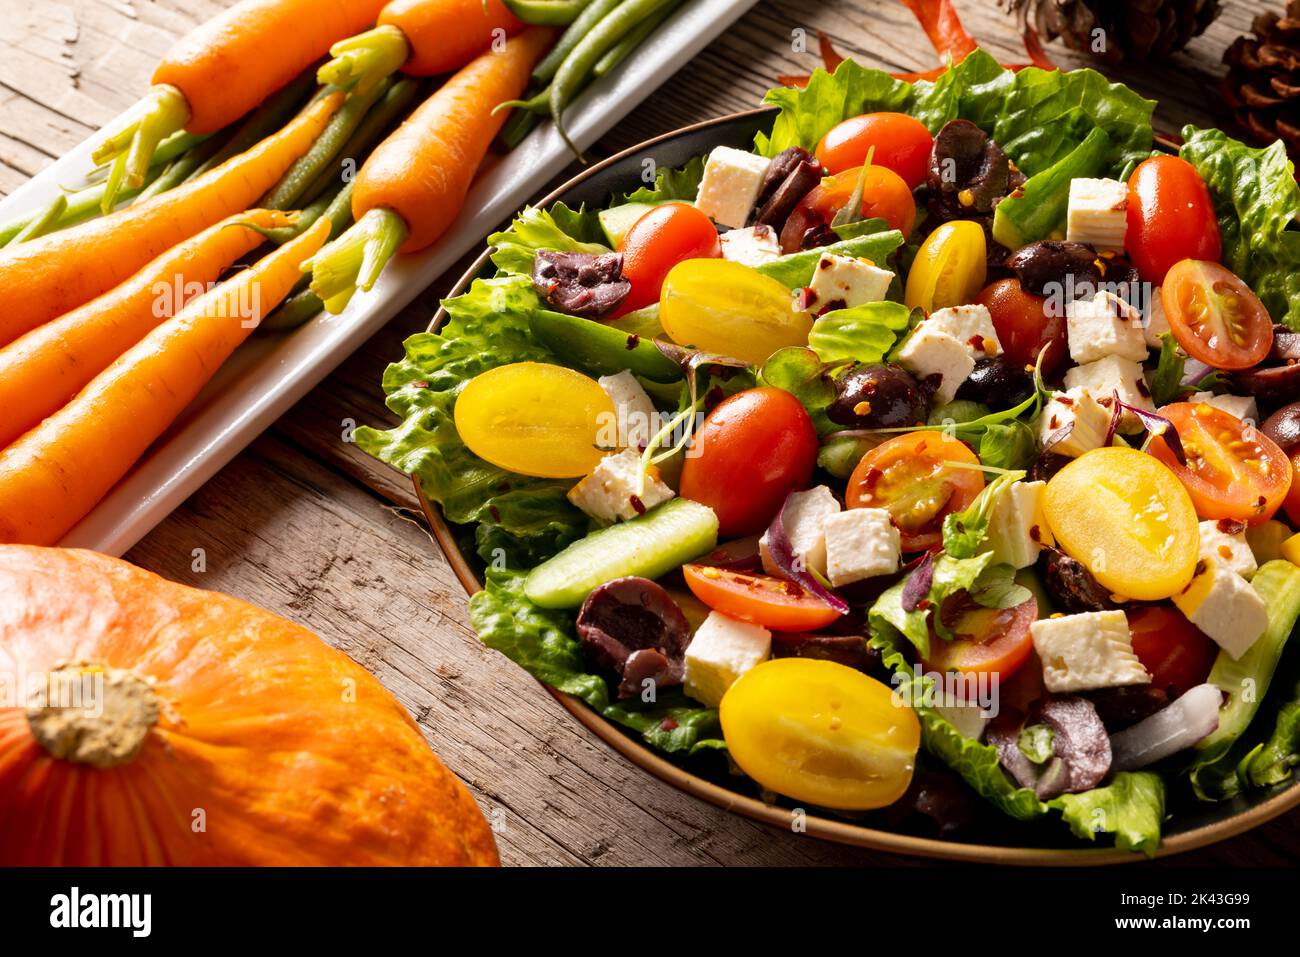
(538, 103)
(355, 260)
(130, 149)
(302, 303)
(44, 221)
(362, 61)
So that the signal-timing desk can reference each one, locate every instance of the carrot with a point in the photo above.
(414, 183)
(224, 68)
(45, 278)
(41, 371)
(53, 476)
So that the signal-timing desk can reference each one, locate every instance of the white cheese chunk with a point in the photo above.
(1104, 325)
(1087, 651)
(1157, 322)
(751, 246)
(638, 419)
(1242, 406)
(804, 514)
(1018, 529)
(722, 650)
(609, 493)
(929, 353)
(860, 543)
(1111, 374)
(1223, 605)
(842, 282)
(968, 719)
(1229, 548)
(729, 189)
(971, 325)
(1075, 410)
(1098, 213)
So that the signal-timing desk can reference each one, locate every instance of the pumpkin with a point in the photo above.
(145, 723)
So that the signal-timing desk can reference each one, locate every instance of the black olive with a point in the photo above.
(582, 284)
(877, 397)
(852, 651)
(968, 171)
(1286, 344)
(1127, 705)
(633, 626)
(1283, 427)
(786, 196)
(778, 171)
(1072, 586)
(1056, 268)
(998, 383)
(1275, 384)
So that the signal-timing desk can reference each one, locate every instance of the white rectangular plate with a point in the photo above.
(269, 374)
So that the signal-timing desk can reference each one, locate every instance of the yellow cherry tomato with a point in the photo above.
(1128, 519)
(721, 306)
(820, 732)
(536, 419)
(949, 269)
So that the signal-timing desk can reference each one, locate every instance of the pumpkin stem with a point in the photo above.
(93, 714)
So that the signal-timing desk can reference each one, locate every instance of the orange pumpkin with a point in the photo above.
(207, 731)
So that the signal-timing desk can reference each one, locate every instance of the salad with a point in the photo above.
(949, 432)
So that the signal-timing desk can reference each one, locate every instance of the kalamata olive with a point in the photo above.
(1283, 427)
(1276, 384)
(849, 650)
(1056, 268)
(633, 627)
(1072, 586)
(998, 383)
(937, 801)
(1046, 465)
(1127, 705)
(778, 171)
(967, 169)
(582, 284)
(1286, 344)
(877, 397)
(801, 181)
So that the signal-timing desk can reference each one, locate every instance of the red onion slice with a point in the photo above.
(782, 552)
(1177, 726)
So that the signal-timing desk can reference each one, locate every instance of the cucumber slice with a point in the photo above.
(601, 350)
(617, 220)
(649, 545)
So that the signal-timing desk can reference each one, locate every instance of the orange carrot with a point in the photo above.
(53, 476)
(444, 34)
(48, 276)
(41, 371)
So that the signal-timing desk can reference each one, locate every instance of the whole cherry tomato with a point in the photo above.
(658, 241)
(1170, 217)
(901, 142)
(1023, 324)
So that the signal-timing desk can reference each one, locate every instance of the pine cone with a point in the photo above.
(1115, 30)
(1263, 81)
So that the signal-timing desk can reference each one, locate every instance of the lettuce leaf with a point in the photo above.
(1257, 198)
(802, 373)
(561, 228)
(669, 184)
(1131, 806)
(862, 333)
(544, 644)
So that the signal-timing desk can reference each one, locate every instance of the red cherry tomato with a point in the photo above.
(1176, 652)
(1023, 325)
(884, 196)
(658, 241)
(1170, 217)
(989, 640)
(771, 602)
(754, 449)
(1215, 316)
(902, 143)
(1291, 504)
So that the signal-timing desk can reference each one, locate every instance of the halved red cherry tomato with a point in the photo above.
(990, 640)
(1170, 217)
(1024, 327)
(1177, 653)
(753, 450)
(658, 241)
(910, 475)
(1233, 470)
(884, 196)
(763, 599)
(1291, 504)
(902, 143)
(1215, 316)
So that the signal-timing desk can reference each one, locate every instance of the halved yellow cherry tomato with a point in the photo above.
(1128, 519)
(535, 419)
(821, 732)
(721, 306)
(949, 269)
(1215, 316)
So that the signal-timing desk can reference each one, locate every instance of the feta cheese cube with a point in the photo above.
(1098, 213)
(609, 493)
(729, 189)
(1228, 546)
(637, 418)
(860, 543)
(1157, 322)
(1223, 605)
(751, 246)
(842, 282)
(1242, 406)
(1104, 325)
(1109, 375)
(1085, 418)
(929, 353)
(1087, 651)
(1018, 529)
(722, 650)
(804, 514)
(971, 325)
(968, 718)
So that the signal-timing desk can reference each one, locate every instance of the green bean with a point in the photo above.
(547, 13)
(617, 54)
(590, 16)
(520, 124)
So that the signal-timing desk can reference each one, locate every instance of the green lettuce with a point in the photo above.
(543, 642)
(560, 228)
(669, 184)
(802, 373)
(862, 333)
(1257, 200)
(1131, 806)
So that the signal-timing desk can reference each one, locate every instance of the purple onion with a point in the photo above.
(918, 583)
(782, 552)
(1174, 728)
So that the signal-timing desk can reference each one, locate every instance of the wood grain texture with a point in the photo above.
(304, 524)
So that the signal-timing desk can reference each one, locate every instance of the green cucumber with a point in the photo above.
(617, 220)
(649, 545)
(1038, 209)
(643, 322)
(601, 350)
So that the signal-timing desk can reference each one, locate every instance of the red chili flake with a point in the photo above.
(668, 724)
(633, 340)
(1065, 400)
(1035, 533)
(1142, 388)
(503, 487)
(1230, 526)
(495, 513)
(637, 504)
(804, 299)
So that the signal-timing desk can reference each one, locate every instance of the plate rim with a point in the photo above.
(825, 828)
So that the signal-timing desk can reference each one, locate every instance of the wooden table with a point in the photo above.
(304, 524)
